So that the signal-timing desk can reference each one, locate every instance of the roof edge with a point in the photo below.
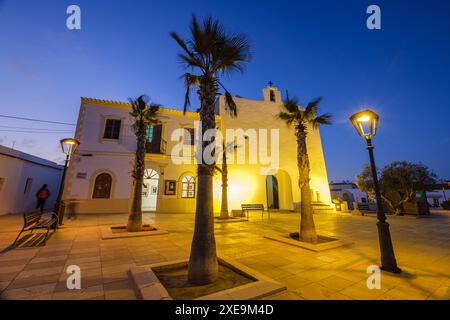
(127, 105)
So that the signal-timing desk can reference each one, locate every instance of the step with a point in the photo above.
(327, 211)
(320, 207)
(319, 203)
(280, 211)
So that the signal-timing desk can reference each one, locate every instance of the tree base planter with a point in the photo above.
(120, 231)
(324, 243)
(230, 219)
(357, 212)
(168, 280)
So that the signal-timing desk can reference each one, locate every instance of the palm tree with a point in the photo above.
(302, 118)
(211, 52)
(143, 115)
(224, 173)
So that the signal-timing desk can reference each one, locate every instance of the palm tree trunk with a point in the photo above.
(224, 205)
(135, 216)
(307, 227)
(203, 265)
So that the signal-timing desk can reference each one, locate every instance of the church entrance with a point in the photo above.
(272, 192)
(150, 190)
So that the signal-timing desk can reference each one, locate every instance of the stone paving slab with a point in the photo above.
(319, 247)
(421, 248)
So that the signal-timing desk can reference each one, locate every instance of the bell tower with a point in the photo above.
(271, 94)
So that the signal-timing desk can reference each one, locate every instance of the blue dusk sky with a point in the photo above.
(311, 48)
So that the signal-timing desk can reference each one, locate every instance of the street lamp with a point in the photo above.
(68, 146)
(366, 123)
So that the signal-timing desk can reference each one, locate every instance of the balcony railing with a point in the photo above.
(156, 148)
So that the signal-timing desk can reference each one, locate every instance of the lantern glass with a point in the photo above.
(69, 145)
(365, 123)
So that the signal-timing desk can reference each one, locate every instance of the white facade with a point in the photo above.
(21, 176)
(347, 192)
(439, 194)
(170, 186)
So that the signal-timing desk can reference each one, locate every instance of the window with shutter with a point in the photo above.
(112, 129)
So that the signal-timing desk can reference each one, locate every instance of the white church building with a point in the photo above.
(99, 175)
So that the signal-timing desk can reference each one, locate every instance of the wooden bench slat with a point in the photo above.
(253, 207)
(43, 224)
(33, 220)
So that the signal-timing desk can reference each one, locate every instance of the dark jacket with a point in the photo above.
(43, 193)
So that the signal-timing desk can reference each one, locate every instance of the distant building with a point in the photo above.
(440, 192)
(21, 176)
(347, 191)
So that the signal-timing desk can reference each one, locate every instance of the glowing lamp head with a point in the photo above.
(364, 118)
(69, 145)
(365, 123)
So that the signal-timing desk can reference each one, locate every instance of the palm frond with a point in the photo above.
(153, 109)
(142, 111)
(232, 54)
(291, 105)
(322, 119)
(190, 81)
(211, 50)
(231, 104)
(133, 106)
(142, 102)
(190, 62)
(181, 43)
(138, 104)
(151, 113)
(287, 117)
(311, 108)
(229, 101)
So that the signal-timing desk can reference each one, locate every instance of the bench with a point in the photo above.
(33, 220)
(246, 208)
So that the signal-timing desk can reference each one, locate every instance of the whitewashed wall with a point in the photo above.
(246, 183)
(15, 173)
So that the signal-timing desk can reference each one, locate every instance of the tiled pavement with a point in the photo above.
(422, 248)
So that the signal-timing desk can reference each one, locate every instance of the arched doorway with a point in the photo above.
(284, 190)
(349, 198)
(150, 190)
(272, 192)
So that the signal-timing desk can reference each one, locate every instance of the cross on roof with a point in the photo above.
(270, 83)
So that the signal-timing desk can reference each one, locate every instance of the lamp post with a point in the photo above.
(443, 190)
(68, 146)
(366, 123)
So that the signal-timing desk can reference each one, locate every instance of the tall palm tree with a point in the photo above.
(143, 115)
(211, 52)
(302, 118)
(224, 173)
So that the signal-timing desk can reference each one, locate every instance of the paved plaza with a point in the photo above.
(422, 247)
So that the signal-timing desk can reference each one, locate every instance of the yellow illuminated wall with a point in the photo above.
(246, 183)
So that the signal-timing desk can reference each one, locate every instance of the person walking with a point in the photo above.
(42, 196)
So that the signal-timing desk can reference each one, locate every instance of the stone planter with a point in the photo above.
(149, 287)
(325, 243)
(109, 232)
